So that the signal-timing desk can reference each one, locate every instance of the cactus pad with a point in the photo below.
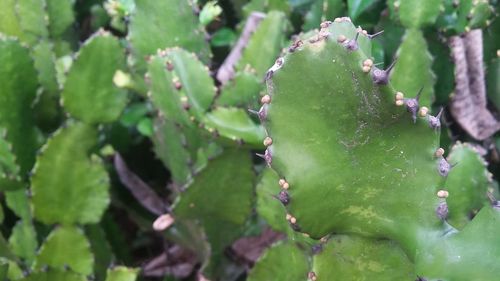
(355, 162)
(81, 191)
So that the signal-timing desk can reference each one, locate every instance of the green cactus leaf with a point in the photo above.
(391, 39)
(163, 93)
(266, 6)
(54, 275)
(242, 91)
(493, 82)
(9, 183)
(413, 70)
(66, 246)
(347, 143)
(18, 87)
(18, 202)
(169, 147)
(47, 109)
(32, 19)
(23, 240)
(194, 78)
(467, 184)
(61, 17)
(90, 95)
(322, 10)
(227, 183)
(122, 273)
(15, 272)
(265, 44)
(355, 258)
(268, 206)
(353, 164)
(4, 269)
(419, 13)
(100, 248)
(234, 124)
(442, 67)
(6, 252)
(45, 61)
(149, 20)
(9, 22)
(357, 7)
(282, 262)
(64, 176)
(480, 14)
(477, 244)
(8, 165)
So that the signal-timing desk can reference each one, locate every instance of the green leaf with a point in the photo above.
(90, 95)
(322, 10)
(122, 273)
(243, 90)
(356, 258)
(268, 206)
(134, 113)
(8, 165)
(223, 37)
(66, 246)
(9, 23)
(61, 16)
(227, 183)
(357, 7)
(266, 6)
(149, 20)
(234, 124)
(23, 240)
(67, 186)
(18, 85)
(265, 44)
(194, 78)
(18, 202)
(169, 147)
(145, 127)
(419, 13)
(101, 249)
(54, 275)
(413, 69)
(32, 19)
(467, 184)
(282, 262)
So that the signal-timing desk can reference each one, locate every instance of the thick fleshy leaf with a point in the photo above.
(54, 275)
(150, 20)
(227, 183)
(67, 186)
(18, 85)
(413, 70)
(66, 246)
(282, 262)
(122, 273)
(91, 95)
(419, 13)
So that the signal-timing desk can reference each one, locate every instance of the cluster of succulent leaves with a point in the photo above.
(348, 176)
